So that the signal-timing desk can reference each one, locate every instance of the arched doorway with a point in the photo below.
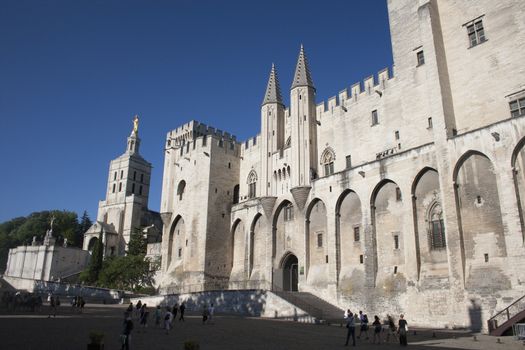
(91, 245)
(290, 273)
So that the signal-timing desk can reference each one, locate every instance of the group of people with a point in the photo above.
(21, 301)
(169, 316)
(163, 319)
(78, 302)
(377, 328)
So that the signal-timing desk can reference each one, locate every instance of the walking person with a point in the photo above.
(137, 309)
(57, 304)
(168, 318)
(82, 304)
(364, 324)
(181, 309)
(175, 310)
(126, 332)
(52, 307)
(391, 328)
(377, 330)
(350, 325)
(403, 330)
(157, 316)
(204, 314)
(211, 310)
(144, 314)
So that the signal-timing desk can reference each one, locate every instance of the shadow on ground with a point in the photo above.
(69, 330)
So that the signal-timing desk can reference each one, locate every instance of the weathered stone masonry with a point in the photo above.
(403, 193)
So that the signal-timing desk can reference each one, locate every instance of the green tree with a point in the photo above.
(83, 226)
(91, 275)
(19, 231)
(131, 272)
(137, 243)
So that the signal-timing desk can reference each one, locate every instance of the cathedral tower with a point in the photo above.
(126, 201)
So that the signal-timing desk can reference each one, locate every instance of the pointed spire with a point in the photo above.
(302, 75)
(273, 90)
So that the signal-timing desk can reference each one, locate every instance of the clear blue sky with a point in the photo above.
(73, 74)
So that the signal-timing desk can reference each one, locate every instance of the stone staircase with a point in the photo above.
(503, 321)
(316, 307)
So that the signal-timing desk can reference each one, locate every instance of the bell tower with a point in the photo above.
(126, 196)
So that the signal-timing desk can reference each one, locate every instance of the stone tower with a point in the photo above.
(272, 129)
(201, 177)
(126, 203)
(303, 130)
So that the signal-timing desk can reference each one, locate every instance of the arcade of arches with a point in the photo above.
(351, 245)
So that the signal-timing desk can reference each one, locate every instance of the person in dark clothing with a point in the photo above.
(182, 308)
(403, 330)
(138, 307)
(175, 310)
(204, 314)
(377, 329)
(350, 325)
(126, 332)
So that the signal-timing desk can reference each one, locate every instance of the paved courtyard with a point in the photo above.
(69, 330)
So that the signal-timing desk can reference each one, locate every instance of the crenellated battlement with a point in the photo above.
(251, 142)
(347, 96)
(193, 129)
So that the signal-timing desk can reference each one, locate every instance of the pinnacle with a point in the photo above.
(302, 75)
(273, 90)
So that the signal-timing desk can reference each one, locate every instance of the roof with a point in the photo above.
(302, 75)
(273, 90)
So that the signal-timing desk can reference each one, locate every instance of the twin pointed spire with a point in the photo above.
(273, 90)
(302, 77)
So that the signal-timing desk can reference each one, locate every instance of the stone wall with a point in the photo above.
(45, 262)
(257, 303)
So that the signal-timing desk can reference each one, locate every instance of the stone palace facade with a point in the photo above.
(403, 193)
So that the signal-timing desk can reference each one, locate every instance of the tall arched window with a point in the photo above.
(327, 161)
(252, 184)
(436, 230)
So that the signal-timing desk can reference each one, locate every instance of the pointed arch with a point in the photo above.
(327, 160)
(429, 227)
(518, 176)
(348, 230)
(464, 157)
(252, 184)
(289, 268)
(252, 177)
(315, 241)
(252, 260)
(178, 221)
(385, 204)
(478, 213)
(234, 236)
(279, 227)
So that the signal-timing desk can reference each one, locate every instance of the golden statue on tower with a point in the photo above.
(136, 124)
